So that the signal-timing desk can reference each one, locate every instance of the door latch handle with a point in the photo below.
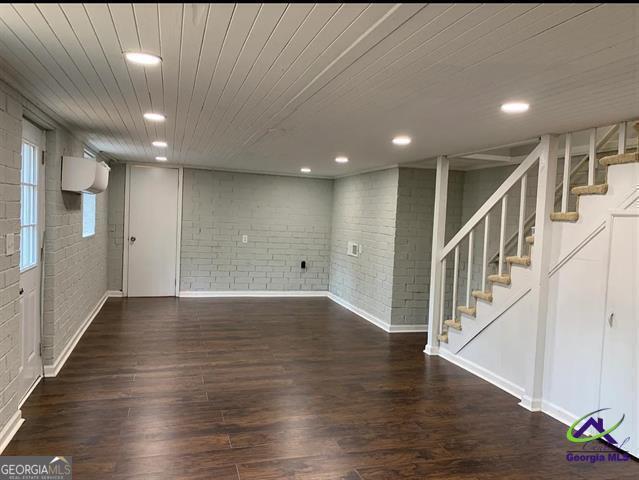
(21, 291)
(610, 319)
(132, 239)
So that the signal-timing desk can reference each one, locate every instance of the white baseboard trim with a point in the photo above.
(431, 350)
(378, 322)
(53, 370)
(558, 413)
(10, 429)
(531, 404)
(481, 372)
(114, 293)
(252, 293)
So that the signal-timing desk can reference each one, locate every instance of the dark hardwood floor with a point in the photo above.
(279, 389)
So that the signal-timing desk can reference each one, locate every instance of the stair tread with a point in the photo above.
(564, 216)
(443, 337)
(619, 159)
(487, 296)
(515, 260)
(467, 310)
(600, 189)
(503, 279)
(452, 323)
(530, 239)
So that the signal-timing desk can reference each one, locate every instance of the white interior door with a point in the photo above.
(31, 237)
(153, 231)
(619, 370)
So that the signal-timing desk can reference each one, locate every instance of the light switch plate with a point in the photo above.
(10, 244)
(244, 238)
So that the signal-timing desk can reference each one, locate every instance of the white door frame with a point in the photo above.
(30, 133)
(125, 252)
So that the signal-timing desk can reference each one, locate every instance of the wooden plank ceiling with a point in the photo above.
(275, 87)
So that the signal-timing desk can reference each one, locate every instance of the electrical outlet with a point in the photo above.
(244, 238)
(10, 244)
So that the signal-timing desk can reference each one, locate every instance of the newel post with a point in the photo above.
(439, 230)
(540, 267)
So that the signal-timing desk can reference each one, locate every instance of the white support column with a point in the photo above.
(533, 382)
(439, 230)
(592, 156)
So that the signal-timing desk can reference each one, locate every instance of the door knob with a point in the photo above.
(610, 319)
(132, 239)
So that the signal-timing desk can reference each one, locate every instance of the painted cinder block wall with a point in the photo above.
(75, 267)
(10, 308)
(286, 220)
(115, 226)
(364, 211)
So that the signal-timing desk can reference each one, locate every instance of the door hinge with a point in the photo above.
(40, 348)
(43, 154)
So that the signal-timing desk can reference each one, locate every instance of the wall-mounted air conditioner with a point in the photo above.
(84, 175)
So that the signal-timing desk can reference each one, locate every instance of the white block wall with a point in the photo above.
(364, 211)
(75, 267)
(115, 226)
(10, 310)
(286, 219)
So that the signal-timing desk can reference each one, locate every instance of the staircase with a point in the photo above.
(464, 322)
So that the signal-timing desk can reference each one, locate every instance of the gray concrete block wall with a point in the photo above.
(286, 219)
(75, 267)
(10, 309)
(364, 211)
(115, 226)
(413, 244)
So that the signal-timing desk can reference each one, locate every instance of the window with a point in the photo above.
(29, 207)
(88, 208)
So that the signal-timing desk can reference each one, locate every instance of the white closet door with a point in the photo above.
(153, 227)
(619, 370)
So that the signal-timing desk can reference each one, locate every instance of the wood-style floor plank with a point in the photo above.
(238, 389)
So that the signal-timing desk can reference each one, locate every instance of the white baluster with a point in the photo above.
(592, 156)
(522, 214)
(567, 166)
(471, 246)
(442, 297)
(485, 257)
(502, 233)
(622, 138)
(455, 275)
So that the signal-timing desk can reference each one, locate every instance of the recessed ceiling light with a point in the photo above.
(341, 159)
(515, 107)
(142, 58)
(155, 117)
(160, 144)
(402, 140)
(305, 170)
(161, 159)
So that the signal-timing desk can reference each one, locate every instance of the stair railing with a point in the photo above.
(562, 190)
(482, 216)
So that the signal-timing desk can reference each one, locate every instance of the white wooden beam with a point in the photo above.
(439, 231)
(540, 288)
